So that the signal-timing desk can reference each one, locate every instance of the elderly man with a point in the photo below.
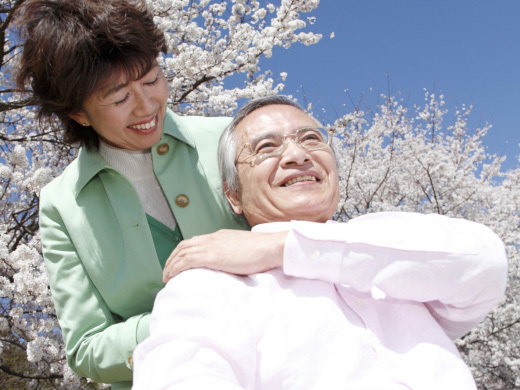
(370, 304)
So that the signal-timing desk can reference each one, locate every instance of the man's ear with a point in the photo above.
(80, 117)
(233, 199)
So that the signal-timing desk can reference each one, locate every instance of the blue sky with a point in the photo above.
(468, 50)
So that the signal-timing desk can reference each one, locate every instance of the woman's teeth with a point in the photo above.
(144, 126)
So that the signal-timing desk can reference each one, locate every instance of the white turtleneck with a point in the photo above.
(137, 166)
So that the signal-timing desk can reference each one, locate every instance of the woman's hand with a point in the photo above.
(232, 251)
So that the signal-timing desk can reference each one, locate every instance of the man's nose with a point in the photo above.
(294, 153)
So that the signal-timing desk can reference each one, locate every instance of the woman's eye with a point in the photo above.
(153, 82)
(122, 100)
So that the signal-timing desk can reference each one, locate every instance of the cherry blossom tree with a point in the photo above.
(394, 157)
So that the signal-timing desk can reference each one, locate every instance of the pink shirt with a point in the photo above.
(393, 290)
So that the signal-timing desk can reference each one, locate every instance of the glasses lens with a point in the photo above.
(312, 138)
(268, 143)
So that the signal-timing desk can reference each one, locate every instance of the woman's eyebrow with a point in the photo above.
(105, 92)
(112, 89)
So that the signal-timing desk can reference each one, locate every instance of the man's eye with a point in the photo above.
(266, 146)
(311, 137)
(262, 147)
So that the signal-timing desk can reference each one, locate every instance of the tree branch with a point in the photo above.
(14, 105)
(195, 86)
(9, 371)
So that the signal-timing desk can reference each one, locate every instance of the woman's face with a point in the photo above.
(128, 115)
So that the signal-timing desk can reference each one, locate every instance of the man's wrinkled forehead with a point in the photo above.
(280, 118)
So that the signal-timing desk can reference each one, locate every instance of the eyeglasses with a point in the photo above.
(273, 144)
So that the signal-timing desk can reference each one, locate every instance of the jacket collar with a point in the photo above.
(176, 127)
(89, 164)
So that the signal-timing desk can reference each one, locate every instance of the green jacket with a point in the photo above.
(100, 257)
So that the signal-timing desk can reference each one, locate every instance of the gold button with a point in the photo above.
(182, 200)
(131, 361)
(162, 149)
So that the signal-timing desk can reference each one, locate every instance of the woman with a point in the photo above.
(144, 178)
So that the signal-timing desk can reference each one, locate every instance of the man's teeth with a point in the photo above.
(144, 126)
(300, 178)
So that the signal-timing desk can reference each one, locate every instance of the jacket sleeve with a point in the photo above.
(457, 268)
(199, 336)
(98, 345)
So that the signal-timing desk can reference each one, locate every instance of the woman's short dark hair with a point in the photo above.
(72, 47)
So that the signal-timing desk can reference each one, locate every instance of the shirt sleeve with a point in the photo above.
(456, 267)
(98, 346)
(199, 336)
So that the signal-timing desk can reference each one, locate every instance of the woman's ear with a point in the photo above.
(81, 118)
(233, 199)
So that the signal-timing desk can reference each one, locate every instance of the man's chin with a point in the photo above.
(308, 214)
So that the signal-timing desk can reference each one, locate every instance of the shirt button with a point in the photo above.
(162, 149)
(131, 361)
(182, 200)
(314, 255)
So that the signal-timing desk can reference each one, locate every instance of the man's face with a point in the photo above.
(298, 184)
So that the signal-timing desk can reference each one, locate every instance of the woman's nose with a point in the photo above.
(144, 103)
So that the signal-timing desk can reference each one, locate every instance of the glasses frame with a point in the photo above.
(262, 156)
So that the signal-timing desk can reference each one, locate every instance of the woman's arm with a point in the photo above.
(98, 345)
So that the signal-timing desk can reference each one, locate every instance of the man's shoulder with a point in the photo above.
(201, 279)
(207, 281)
(203, 285)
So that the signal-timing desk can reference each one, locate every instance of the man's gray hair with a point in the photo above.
(227, 147)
